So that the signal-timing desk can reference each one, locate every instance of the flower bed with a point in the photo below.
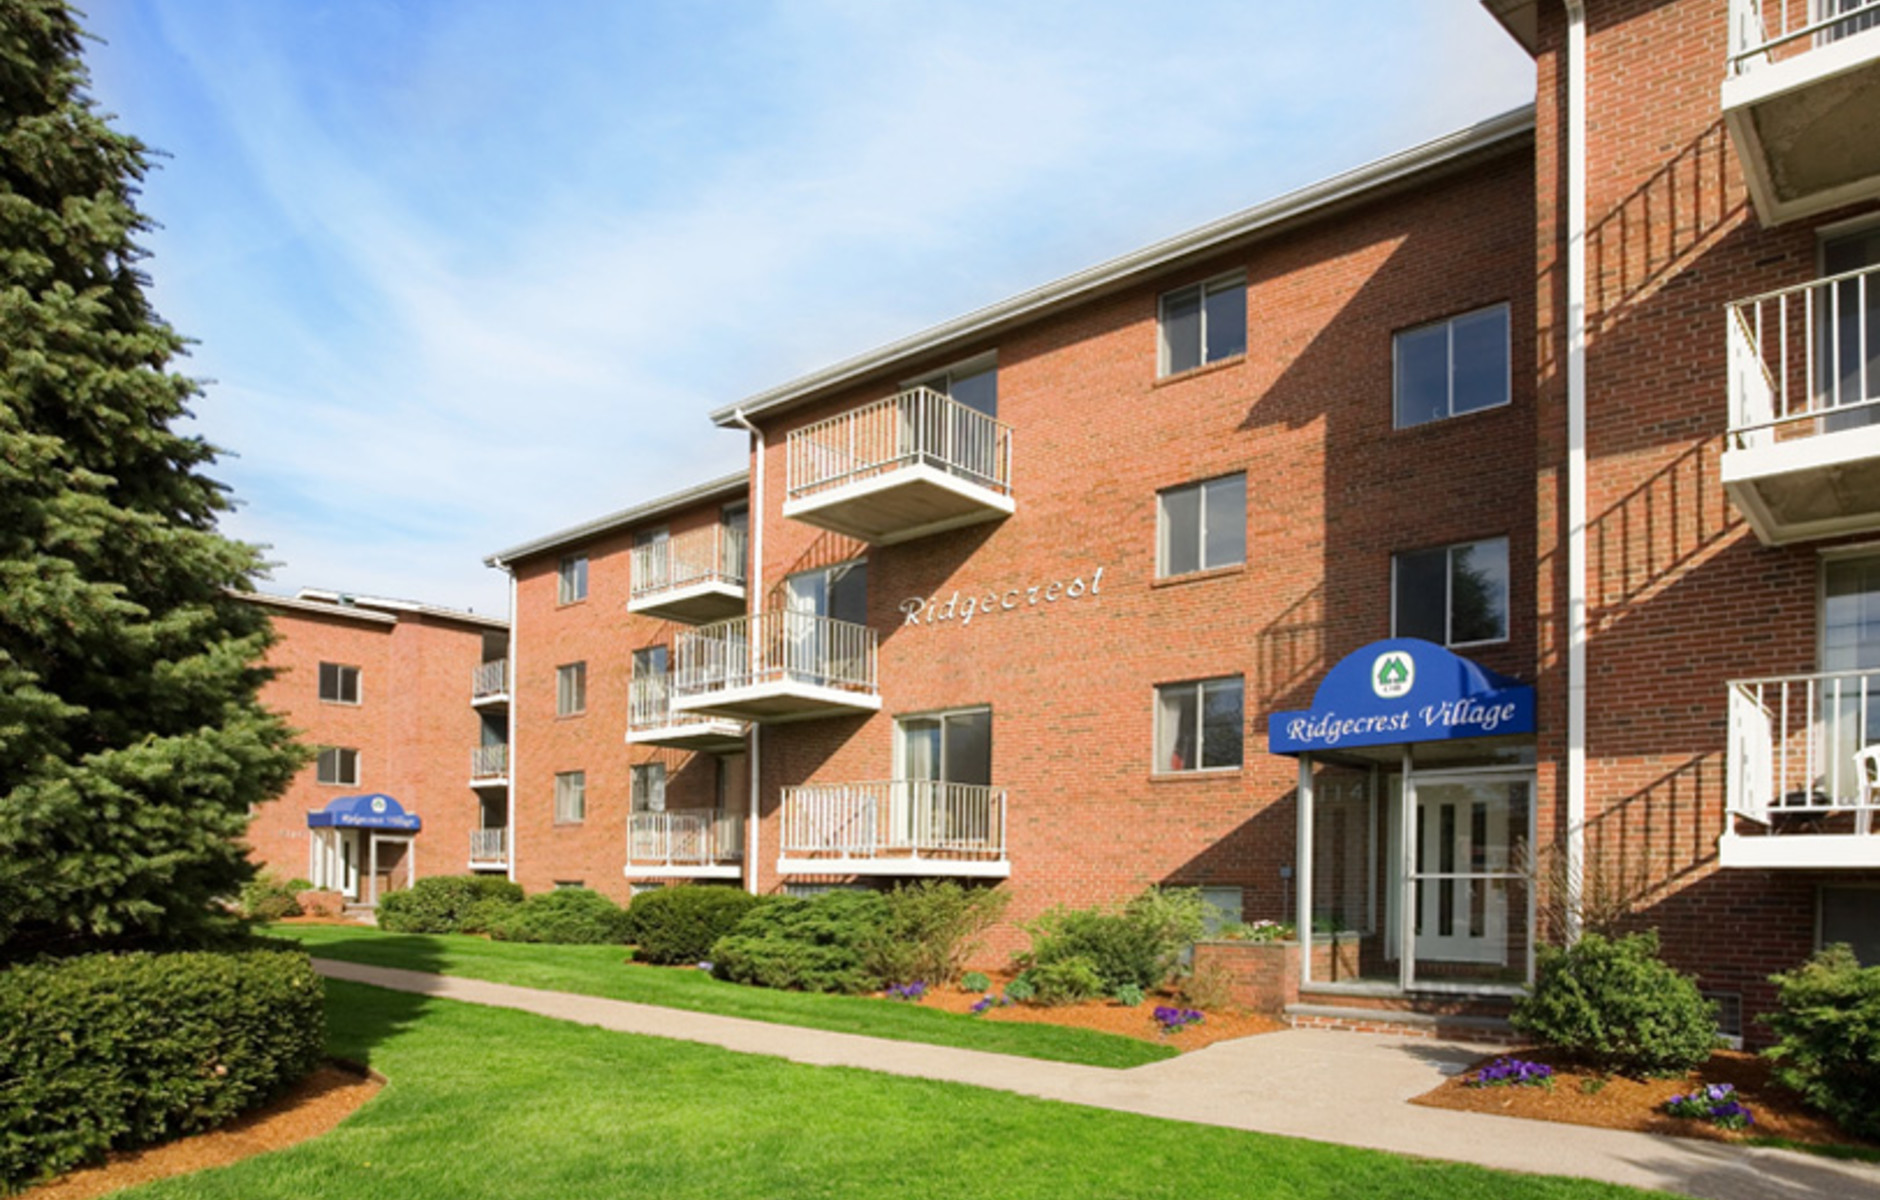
(1105, 1016)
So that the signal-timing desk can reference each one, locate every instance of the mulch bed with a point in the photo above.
(1108, 1016)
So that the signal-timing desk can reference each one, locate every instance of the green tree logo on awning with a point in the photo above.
(1392, 674)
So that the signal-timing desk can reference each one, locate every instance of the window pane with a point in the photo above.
(1480, 349)
(649, 661)
(1181, 330)
(920, 748)
(1422, 375)
(1176, 727)
(848, 593)
(573, 579)
(1421, 582)
(1226, 522)
(329, 681)
(349, 685)
(1852, 915)
(1478, 592)
(1221, 739)
(978, 391)
(969, 748)
(1227, 321)
(1181, 531)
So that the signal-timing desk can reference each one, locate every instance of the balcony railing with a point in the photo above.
(684, 839)
(917, 826)
(1800, 779)
(490, 680)
(1803, 454)
(696, 576)
(1765, 31)
(775, 664)
(489, 762)
(652, 719)
(489, 846)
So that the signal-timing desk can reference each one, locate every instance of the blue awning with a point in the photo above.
(375, 810)
(1403, 690)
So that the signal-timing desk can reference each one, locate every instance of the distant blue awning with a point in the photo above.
(1403, 690)
(373, 811)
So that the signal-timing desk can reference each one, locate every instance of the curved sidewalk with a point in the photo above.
(1346, 1088)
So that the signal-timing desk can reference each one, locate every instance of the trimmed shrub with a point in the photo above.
(813, 945)
(976, 981)
(566, 916)
(440, 903)
(931, 929)
(268, 897)
(1828, 1031)
(681, 924)
(116, 1051)
(1065, 981)
(1613, 1004)
(1139, 946)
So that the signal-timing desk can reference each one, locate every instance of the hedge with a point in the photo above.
(1829, 1031)
(110, 1052)
(680, 924)
(815, 945)
(446, 904)
(570, 916)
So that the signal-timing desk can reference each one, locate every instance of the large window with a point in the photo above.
(649, 787)
(1452, 367)
(1198, 725)
(339, 684)
(975, 385)
(573, 578)
(1452, 595)
(570, 797)
(1202, 526)
(571, 689)
(1202, 324)
(950, 747)
(338, 766)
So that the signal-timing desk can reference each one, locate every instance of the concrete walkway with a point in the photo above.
(1347, 1088)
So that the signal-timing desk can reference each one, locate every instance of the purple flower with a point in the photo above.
(1514, 1072)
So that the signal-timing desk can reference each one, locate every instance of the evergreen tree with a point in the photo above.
(131, 740)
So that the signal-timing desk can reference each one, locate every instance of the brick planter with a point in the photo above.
(1264, 976)
(319, 903)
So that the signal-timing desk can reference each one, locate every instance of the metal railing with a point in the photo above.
(716, 553)
(684, 839)
(489, 845)
(490, 679)
(779, 646)
(1805, 353)
(918, 426)
(489, 762)
(895, 818)
(1764, 31)
(649, 705)
(1802, 749)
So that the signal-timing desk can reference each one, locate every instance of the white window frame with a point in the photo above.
(637, 781)
(571, 689)
(1205, 288)
(1159, 764)
(338, 760)
(341, 672)
(899, 770)
(1449, 323)
(1163, 530)
(571, 579)
(570, 797)
(1449, 607)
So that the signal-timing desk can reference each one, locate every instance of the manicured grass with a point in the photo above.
(487, 1102)
(602, 971)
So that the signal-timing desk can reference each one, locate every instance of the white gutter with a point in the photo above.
(754, 583)
(509, 793)
(1576, 466)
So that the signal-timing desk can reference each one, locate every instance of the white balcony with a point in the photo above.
(695, 577)
(1801, 96)
(489, 766)
(652, 720)
(489, 849)
(1802, 459)
(776, 666)
(901, 468)
(1800, 777)
(685, 845)
(899, 827)
(489, 685)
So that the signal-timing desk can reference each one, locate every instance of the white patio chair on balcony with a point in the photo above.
(1867, 765)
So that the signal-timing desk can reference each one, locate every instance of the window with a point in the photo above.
(1198, 725)
(570, 797)
(338, 684)
(1201, 526)
(570, 885)
(975, 385)
(573, 578)
(952, 747)
(649, 788)
(1452, 367)
(571, 690)
(1452, 595)
(338, 766)
(1203, 324)
(1851, 915)
(1220, 907)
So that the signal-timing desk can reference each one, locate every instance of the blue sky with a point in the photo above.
(463, 272)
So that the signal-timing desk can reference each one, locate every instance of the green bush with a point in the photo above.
(681, 924)
(931, 929)
(814, 945)
(1129, 994)
(115, 1051)
(483, 916)
(976, 981)
(1020, 989)
(1065, 981)
(440, 903)
(1615, 1005)
(268, 897)
(1828, 1031)
(1139, 946)
(565, 916)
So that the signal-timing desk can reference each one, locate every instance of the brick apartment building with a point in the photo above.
(403, 703)
(1476, 545)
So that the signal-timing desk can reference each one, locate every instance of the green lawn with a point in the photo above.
(487, 1102)
(602, 971)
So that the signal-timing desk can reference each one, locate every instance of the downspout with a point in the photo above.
(754, 583)
(1576, 466)
(509, 685)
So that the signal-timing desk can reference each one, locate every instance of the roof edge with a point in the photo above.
(724, 487)
(328, 600)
